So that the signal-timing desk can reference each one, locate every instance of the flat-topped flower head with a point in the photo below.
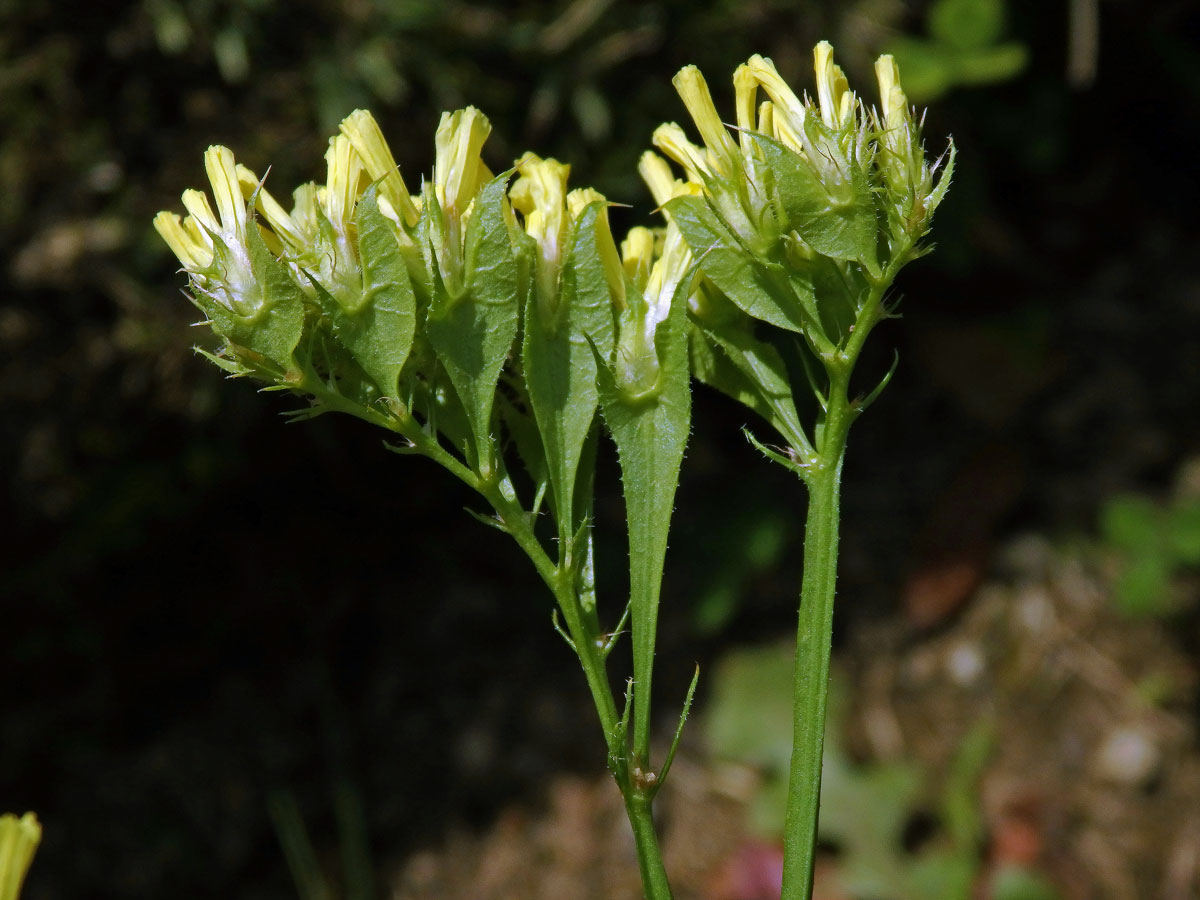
(823, 197)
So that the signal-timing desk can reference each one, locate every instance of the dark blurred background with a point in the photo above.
(202, 606)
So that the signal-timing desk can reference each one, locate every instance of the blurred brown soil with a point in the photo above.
(1094, 779)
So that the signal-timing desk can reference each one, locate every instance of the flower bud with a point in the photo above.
(540, 195)
(367, 139)
(693, 89)
(19, 839)
(212, 246)
(458, 170)
(833, 91)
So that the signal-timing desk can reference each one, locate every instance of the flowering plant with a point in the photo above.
(491, 323)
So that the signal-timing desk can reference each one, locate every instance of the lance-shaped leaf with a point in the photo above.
(265, 340)
(650, 433)
(731, 267)
(837, 220)
(560, 367)
(473, 334)
(750, 371)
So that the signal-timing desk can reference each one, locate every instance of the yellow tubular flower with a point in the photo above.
(270, 208)
(19, 839)
(665, 277)
(540, 195)
(693, 89)
(787, 105)
(222, 175)
(656, 172)
(344, 182)
(745, 91)
(637, 255)
(891, 95)
(200, 213)
(458, 172)
(671, 140)
(766, 119)
(365, 135)
(833, 90)
(188, 249)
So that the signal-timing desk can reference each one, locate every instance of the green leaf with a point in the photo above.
(730, 266)
(943, 184)
(650, 434)
(750, 371)
(378, 330)
(266, 339)
(560, 367)
(474, 333)
(967, 24)
(837, 220)
(524, 433)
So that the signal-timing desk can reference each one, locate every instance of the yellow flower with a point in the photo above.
(458, 170)
(693, 89)
(365, 135)
(782, 117)
(19, 839)
(894, 104)
(539, 194)
(192, 240)
(657, 267)
(638, 255)
(671, 140)
(833, 90)
(212, 246)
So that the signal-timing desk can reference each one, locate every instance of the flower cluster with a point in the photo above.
(360, 292)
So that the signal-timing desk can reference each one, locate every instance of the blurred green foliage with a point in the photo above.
(1155, 543)
(867, 809)
(964, 47)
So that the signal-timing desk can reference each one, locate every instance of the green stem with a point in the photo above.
(814, 633)
(813, 642)
(645, 838)
(588, 643)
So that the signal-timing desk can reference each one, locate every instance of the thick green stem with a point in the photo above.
(814, 634)
(654, 874)
(813, 641)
